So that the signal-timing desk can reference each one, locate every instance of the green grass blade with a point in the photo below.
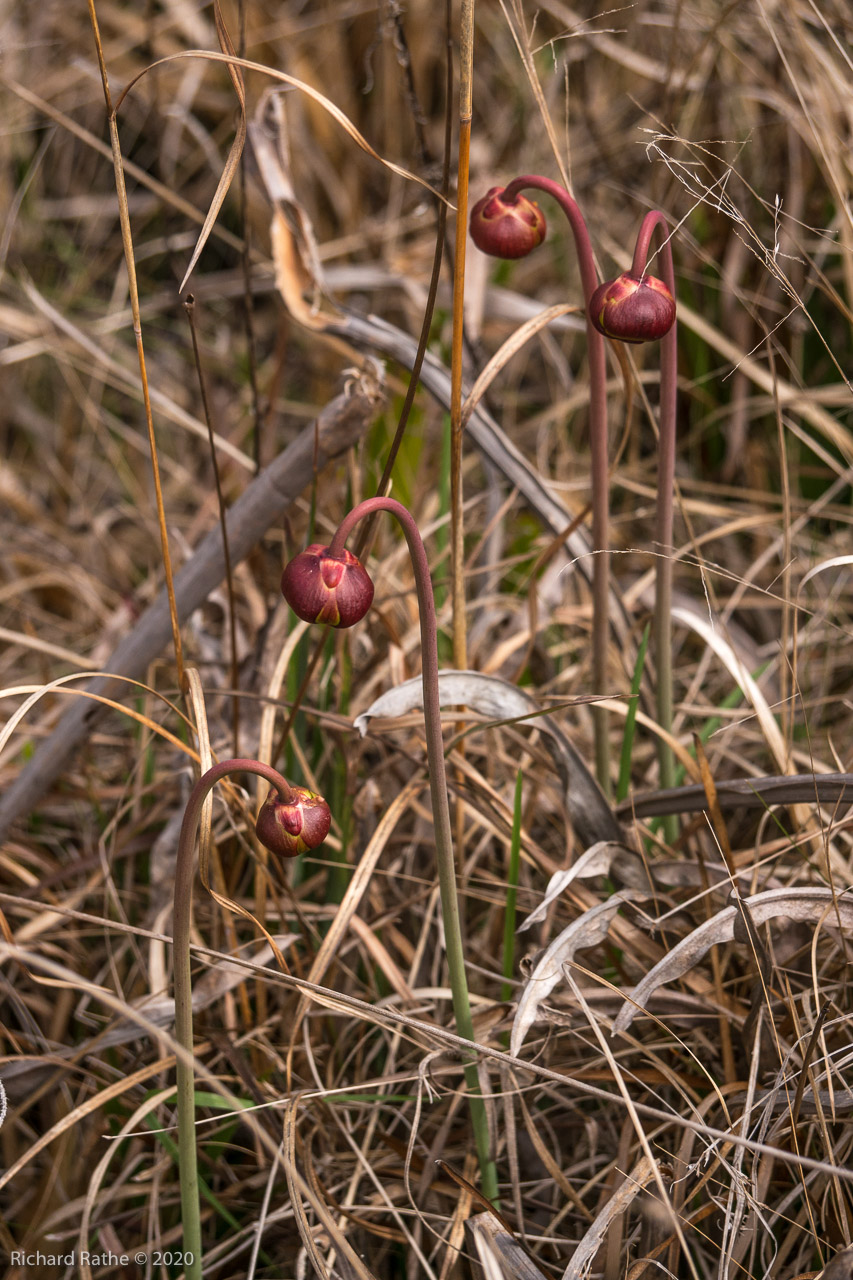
(631, 720)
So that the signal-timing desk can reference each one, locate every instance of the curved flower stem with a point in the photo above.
(598, 458)
(187, 1158)
(440, 809)
(655, 221)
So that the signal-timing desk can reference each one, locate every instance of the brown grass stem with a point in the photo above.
(189, 308)
(127, 241)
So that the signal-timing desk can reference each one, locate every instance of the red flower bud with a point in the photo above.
(320, 587)
(507, 228)
(632, 308)
(289, 827)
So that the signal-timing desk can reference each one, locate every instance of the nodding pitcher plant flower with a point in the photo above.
(326, 585)
(294, 825)
(507, 227)
(633, 308)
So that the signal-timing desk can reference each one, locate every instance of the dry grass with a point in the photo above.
(619, 1156)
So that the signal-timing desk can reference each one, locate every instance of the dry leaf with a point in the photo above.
(639, 1177)
(809, 904)
(590, 813)
(595, 862)
(588, 930)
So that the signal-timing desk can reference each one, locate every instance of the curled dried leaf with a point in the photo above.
(807, 904)
(590, 813)
(587, 931)
(596, 861)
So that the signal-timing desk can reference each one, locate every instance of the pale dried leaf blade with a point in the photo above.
(596, 861)
(619, 1202)
(587, 931)
(290, 277)
(836, 562)
(591, 815)
(210, 55)
(499, 1252)
(812, 905)
(731, 660)
(296, 259)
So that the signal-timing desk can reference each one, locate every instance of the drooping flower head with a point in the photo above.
(507, 228)
(632, 308)
(321, 587)
(289, 827)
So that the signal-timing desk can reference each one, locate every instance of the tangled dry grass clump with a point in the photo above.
(659, 977)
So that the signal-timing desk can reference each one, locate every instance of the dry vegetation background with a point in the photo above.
(736, 120)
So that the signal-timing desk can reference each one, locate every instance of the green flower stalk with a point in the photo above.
(656, 222)
(298, 587)
(291, 820)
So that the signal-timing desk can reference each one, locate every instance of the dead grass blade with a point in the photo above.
(144, 1109)
(348, 1264)
(93, 1103)
(61, 684)
(356, 889)
(596, 861)
(237, 145)
(243, 64)
(734, 664)
(637, 1180)
(504, 354)
(500, 1254)
(127, 240)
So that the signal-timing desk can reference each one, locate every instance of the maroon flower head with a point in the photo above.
(320, 587)
(632, 308)
(507, 228)
(289, 827)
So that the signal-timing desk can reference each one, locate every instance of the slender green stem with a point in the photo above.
(598, 459)
(187, 1157)
(512, 890)
(655, 221)
(440, 809)
(631, 721)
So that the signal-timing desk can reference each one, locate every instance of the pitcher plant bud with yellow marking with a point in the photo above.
(632, 308)
(507, 227)
(321, 586)
(293, 826)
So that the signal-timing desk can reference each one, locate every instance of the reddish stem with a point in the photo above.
(429, 643)
(598, 456)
